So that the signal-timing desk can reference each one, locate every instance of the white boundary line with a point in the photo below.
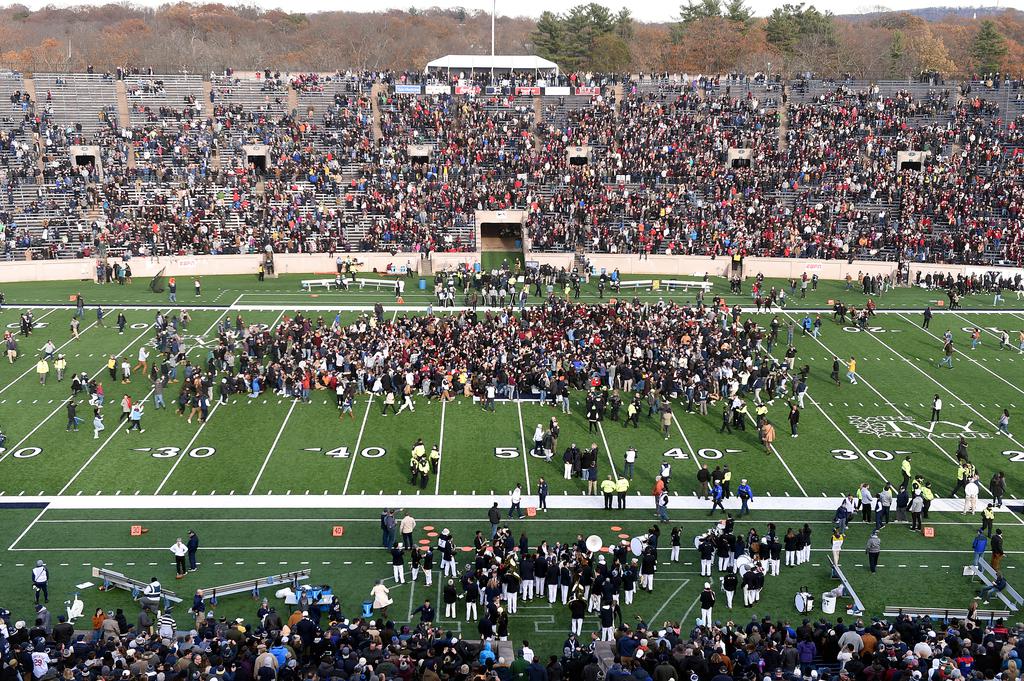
(654, 617)
(273, 446)
(25, 531)
(522, 442)
(326, 519)
(359, 440)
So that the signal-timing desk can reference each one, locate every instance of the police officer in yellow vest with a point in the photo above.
(435, 459)
(988, 515)
(607, 489)
(961, 477)
(726, 482)
(928, 495)
(423, 468)
(760, 413)
(905, 469)
(621, 488)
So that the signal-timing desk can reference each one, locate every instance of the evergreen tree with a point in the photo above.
(989, 48)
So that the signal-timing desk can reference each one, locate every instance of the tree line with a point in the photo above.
(709, 36)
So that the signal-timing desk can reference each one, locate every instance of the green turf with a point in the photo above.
(273, 446)
(251, 543)
(223, 290)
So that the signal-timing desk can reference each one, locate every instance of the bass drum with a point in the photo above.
(743, 563)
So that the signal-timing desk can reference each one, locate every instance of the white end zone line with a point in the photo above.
(608, 450)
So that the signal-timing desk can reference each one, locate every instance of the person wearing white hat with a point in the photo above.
(707, 603)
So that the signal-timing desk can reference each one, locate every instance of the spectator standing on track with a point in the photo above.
(172, 290)
(179, 550)
(542, 494)
(515, 502)
(873, 549)
(407, 526)
(746, 495)
(979, 545)
(997, 549)
(40, 581)
(193, 548)
(927, 316)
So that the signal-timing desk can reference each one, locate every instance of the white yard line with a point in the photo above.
(522, 440)
(62, 404)
(652, 619)
(25, 531)
(440, 452)
(273, 446)
(32, 368)
(900, 411)
(686, 441)
(781, 460)
(359, 439)
(185, 452)
(839, 430)
(969, 358)
(608, 450)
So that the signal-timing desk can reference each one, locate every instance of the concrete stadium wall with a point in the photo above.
(323, 264)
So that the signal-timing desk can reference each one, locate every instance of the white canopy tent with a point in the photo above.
(485, 62)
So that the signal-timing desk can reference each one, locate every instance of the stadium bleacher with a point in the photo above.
(821, 180)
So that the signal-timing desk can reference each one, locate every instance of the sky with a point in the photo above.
(644, 10)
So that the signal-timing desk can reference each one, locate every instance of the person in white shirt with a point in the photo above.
(516, 499)
(971, 496)
(40, 663)
(40, 577)
(630, 463)
(180, 551)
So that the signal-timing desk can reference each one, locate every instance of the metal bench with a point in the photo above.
(987, 575)
(635, 283)
(135, 587)
(838, 574)
(672, 284)
(377, 284)
(253, 586)
(310, 284)
(945, 614)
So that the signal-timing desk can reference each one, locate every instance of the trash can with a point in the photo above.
(828, 603)
(423, 284)
(368, 608)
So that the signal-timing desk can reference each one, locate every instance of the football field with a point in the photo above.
(265, 480)
(273, 445)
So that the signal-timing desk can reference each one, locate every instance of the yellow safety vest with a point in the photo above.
(622, 486)
(607, 486)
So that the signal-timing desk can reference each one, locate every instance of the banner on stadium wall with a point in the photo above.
(401, 89)
(590, 91)
(532, 91)
(467, 90)
(557, 91)
(438, 90)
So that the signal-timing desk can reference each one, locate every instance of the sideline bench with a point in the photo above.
(672, 284)
(377, 284)
(945, 614)
(253, 586)
(635, 283)
(838, 574)
(310, 284)
(1011, 593)
(134, 586)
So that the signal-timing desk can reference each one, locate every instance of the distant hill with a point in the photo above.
(932, 13)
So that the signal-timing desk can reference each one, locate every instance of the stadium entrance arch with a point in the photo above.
(500, 235)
